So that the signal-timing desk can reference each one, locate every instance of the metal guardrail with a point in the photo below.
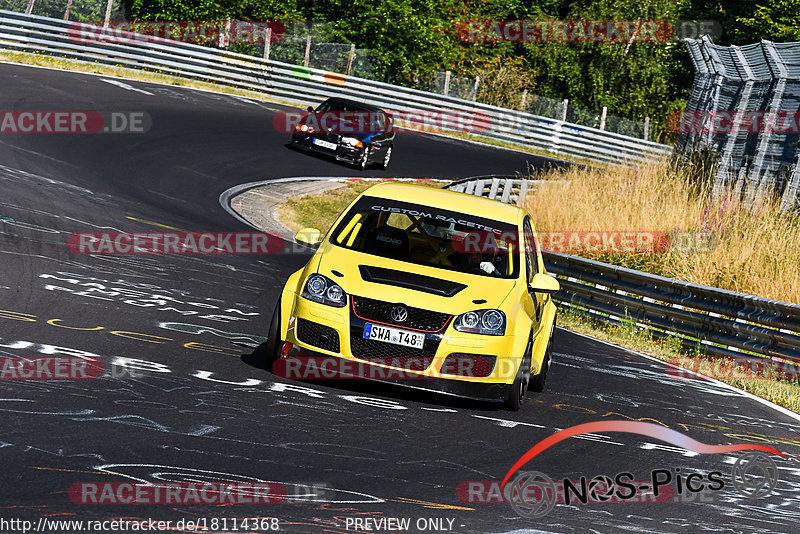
(717, 322)
(503, 188)
(305, 86)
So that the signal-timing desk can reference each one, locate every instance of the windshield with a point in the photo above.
(430, 236)
(339, 105)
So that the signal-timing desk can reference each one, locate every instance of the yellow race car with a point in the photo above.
(425, 287)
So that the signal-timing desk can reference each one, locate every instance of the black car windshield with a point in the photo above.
(346, 117)
(340, 105)
(430, 236)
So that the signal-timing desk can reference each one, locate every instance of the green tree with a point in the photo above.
(778, 20)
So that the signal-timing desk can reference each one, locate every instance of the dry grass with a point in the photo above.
(754, 251)
(320, 211)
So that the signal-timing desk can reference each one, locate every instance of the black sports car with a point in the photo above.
(349, 131)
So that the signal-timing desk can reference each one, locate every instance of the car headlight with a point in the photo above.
(489, 322)
(352, 141)
(325, 291)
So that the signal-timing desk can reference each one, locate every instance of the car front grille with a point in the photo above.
(418, 319)
(393, 355)
(317, 335)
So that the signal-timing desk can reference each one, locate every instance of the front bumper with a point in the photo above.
(338, 333)
(342, 153)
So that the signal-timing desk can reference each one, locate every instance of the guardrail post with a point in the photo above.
(555, 140)
(29, 9)
(350, 57)
(493, 190)
(267, 42)
(69, 8)
(564, 105)
(307, 56)
(446, 90)
(760, 179)
(523, 192)
(106, 21)
(475, 88)
(646, 135)
(224, 34)
(603, 118)
(508, 185)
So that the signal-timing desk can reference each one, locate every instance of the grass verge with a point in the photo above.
(320, 211)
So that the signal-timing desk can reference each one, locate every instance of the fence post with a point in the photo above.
(69, 8)
(726, 159)
(646, 135)
(307, 57)
(524, 98)
(350, 57)
(475, 88)
(564, 105)
(760, 179)
(29, 9)
(603, 118)
(109, 5)
(224, 34)
(267, 42)
(446, 90)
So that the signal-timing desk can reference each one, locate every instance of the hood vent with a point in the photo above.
(418, 282)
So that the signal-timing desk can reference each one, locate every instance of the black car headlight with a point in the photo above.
(489, 322)
(323, 290)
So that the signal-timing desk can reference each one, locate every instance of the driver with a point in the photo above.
(478, 249)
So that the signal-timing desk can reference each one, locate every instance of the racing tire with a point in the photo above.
(516, 393)
(274, 343)
(537, 381)
(386, 158)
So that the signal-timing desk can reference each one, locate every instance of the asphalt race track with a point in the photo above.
(183, 396)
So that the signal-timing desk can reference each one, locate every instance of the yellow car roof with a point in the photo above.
(444, 199)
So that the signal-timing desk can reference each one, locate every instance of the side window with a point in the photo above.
(531, 259)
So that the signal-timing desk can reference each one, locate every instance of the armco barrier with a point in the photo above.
(503, 188)
(715, 321)
(305, 86)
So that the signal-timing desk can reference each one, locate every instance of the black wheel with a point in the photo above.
(516, 393)
(386, 158)
(362, 163)
(274, 342)
(537, 381)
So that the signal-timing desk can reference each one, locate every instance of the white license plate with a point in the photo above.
(325, 144)
(394, 335)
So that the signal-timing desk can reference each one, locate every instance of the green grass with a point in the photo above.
(320, 211)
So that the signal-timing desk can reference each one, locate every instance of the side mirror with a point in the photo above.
(309, 236)
(310, 108)
(544, 283)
